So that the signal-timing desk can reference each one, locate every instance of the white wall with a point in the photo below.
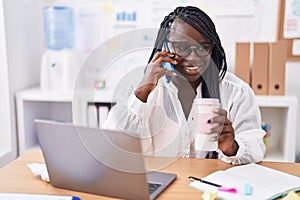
(24, 40)
(293, 88)
(23, 32)
(8, 140)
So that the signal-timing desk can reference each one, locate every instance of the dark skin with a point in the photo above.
(190, 68)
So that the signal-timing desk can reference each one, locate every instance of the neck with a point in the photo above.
(183, 84)
(195, 84)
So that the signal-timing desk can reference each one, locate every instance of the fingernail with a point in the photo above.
(174, 74)
(208, 131)
(216, 110)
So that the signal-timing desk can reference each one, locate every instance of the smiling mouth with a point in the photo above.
(192, 68)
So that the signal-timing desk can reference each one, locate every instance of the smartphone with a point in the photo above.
(167, 65)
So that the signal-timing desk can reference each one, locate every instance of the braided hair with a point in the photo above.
(205, 26)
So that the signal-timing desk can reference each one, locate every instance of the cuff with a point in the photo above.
(234, 159)
(136, 106)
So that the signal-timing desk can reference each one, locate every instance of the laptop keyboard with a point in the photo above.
(153, 187)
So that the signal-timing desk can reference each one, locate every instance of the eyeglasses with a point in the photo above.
(184, 49)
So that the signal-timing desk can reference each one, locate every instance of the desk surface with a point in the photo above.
(17, 177)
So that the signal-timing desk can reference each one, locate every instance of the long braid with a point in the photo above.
(202, 23)
(210, 78)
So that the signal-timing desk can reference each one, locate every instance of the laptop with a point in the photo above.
(98, 161)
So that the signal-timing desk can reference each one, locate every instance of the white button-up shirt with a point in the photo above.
(165, 131)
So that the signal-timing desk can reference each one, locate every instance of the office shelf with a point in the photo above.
(279, 111)
(36, 94)
(34, 104)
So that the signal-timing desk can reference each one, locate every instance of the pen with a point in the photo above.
(203, 181)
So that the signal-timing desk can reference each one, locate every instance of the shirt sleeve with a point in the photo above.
(132, 116)
(244, 113)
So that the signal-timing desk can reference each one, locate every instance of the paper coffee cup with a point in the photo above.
(203, 111)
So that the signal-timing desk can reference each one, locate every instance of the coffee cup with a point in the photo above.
(203, 111)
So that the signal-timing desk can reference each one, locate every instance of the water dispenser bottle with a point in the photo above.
(58, 27)
(60, 63)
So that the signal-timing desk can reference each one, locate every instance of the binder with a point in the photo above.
(102, 113)
(242, 61)
(92, 115)
(259, 79)
(278, 54)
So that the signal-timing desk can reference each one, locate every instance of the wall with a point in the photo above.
(23, 32)
(24, 42)
(8, 140)
(293, 88)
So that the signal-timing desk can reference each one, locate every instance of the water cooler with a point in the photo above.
(60, 63)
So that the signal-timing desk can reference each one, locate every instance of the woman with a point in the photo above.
(159, 111)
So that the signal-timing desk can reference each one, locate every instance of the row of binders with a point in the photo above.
(262, 66)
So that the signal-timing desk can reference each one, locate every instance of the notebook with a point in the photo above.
(265, 183)
(98, 161)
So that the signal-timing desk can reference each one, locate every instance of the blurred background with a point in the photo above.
(27, 48)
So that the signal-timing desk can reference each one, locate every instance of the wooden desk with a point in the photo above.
(17, 177)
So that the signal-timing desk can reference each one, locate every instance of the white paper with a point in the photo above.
(296, 48)
(20, 196)
(291, 25)
(265, 182)
(39, 170)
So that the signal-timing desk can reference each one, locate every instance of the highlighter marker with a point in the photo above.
(167, 65)
(225, 189)
(248, 189)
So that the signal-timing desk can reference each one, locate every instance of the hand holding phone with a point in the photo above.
(167, 65)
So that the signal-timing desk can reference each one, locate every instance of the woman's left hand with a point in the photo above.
(224, 127)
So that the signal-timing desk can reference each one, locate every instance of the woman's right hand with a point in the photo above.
(154, 72)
